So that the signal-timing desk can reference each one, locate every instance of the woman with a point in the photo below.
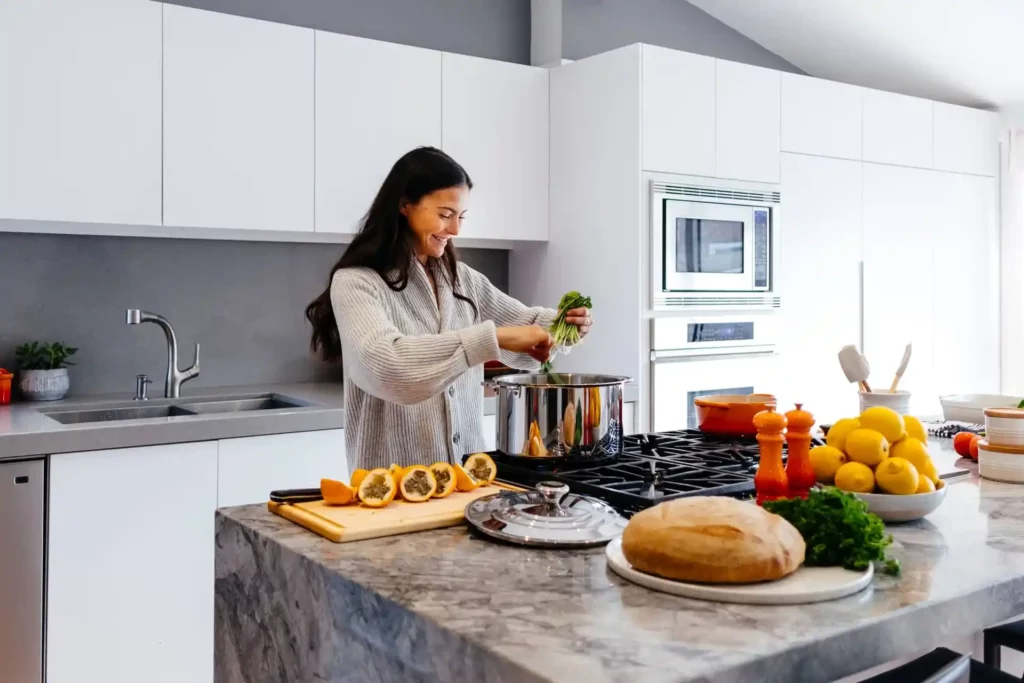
(414, 326)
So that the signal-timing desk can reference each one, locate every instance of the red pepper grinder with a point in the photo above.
(770, 481)
(799, 472)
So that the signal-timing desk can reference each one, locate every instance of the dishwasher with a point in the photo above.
(22, 529)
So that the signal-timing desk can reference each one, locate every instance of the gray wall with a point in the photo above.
(496, 29)
(243, 301)
(593, 26)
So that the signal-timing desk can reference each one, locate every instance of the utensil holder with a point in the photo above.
(898, 401)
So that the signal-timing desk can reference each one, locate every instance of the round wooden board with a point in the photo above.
(806, 584)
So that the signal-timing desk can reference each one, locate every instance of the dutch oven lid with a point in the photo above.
(560, 380)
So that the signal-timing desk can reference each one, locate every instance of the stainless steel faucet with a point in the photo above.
(175, 377)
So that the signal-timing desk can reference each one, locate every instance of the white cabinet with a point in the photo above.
(819, 281)
(628, 419)
(897, 129)
(494, 121)
(901, 218)
(250, 468)
(130, 579)
(747, 110)
(678, 116)
(80, 119)
(490, 427)
(966, 140)
(821, 117)
(238, 122)
(375, 101)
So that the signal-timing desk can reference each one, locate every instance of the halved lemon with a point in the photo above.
(336, 492)
(357, 477)
(482, 468)
(444, 475)
(378, 488)
(418, 484)
(464, 481)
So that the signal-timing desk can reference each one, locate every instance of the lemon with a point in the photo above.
(925, 485)
(826, 461)
(916, 453)
(915, 429)
(897, 476)
(837, 433)
(855, 477)
(867, 446)
(884, 420)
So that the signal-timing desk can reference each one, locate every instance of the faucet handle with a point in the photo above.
(194, 370)
(140, 387)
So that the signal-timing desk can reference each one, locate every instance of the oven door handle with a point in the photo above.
(689, 356)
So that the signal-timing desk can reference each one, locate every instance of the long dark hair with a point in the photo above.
(385, 242)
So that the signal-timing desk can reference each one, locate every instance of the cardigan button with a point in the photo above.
(455, 438)
(451, 390)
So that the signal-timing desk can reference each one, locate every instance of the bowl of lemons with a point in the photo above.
(882, 457)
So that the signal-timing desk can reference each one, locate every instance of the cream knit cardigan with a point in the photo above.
(414, 364)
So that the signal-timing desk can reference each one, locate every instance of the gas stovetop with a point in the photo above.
(652, 468)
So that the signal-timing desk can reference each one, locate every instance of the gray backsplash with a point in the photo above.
(243, 301)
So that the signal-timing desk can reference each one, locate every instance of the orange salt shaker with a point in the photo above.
(770, 481)
(799, 472)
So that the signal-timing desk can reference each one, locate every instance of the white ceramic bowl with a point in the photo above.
(1004, 426)
(903, 508)
(898, 400)
(1000, 462)
(970, 408)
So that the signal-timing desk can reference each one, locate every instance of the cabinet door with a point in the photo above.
(80, 119)
(250, 468)
(900, 224)
(747, 110)
(238, 122)
(490, 429)
(821, 117)
(966, 140)
(819, 281)
(966, 308)
(130, 580)
(494, 121)
(897, 129)
(678, 112)
(375, 101)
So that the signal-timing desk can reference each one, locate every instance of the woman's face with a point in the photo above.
(435, 219)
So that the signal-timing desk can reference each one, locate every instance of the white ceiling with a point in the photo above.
(963, 51)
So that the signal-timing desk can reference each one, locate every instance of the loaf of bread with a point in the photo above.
(712, 539)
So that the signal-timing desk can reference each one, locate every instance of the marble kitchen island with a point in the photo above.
(450, 606)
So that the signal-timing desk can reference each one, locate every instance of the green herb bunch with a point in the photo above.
(566, 334)
(36, 356)
(838, 529)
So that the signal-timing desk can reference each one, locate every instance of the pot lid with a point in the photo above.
(547, 516)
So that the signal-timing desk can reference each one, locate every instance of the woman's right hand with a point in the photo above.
(532, 340)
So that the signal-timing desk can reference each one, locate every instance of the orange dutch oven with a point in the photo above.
(731, 414)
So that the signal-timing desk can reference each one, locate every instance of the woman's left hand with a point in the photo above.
(580, 317)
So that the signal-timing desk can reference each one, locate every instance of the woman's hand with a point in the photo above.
(532, 340)
(580, 317)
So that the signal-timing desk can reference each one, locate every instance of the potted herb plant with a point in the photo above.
(43, 369)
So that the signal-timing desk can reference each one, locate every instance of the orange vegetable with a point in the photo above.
(418, 484)
(444, 475)
(336, 492)
(962, 444)
(974, 447)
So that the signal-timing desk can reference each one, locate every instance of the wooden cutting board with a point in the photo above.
(345, 523)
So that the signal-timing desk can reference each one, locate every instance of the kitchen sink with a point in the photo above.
(239, 405)
(71, 417)
(181, 408)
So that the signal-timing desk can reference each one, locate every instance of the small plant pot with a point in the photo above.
(44, 385)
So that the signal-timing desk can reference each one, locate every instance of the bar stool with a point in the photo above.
(943, 666)
(1005, 635)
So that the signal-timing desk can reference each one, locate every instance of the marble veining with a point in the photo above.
(450, 606)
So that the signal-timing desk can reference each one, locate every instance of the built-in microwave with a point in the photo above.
(715, 242)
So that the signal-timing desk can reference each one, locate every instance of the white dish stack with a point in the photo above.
(1001, 452)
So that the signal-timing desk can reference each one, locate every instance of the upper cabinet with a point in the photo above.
(897, 129)
(821, 117)
(495, 124)
(747, 122)
(966, 140)
(678, 112)
(238, 122)
(375, 101)
(80, 119)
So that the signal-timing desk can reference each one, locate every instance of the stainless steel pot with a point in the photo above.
(559, 416)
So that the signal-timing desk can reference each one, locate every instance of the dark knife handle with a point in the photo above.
(295, 495)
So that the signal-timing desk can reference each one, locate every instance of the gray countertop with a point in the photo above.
(449, 606)
(25, 429)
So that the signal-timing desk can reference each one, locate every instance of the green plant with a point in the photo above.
(36, 356)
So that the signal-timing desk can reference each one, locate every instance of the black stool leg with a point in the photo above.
(992, 652)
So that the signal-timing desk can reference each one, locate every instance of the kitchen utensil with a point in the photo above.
(730, 414)
(900, 370)
(805, 585)
(572, 416)
(898, 401)
(548, 516)
(344, 523)
(1001, 463)
(970, 408)
(1004, 426)
(903, 508)
(5, 386)
(855, 366)
(295, 495)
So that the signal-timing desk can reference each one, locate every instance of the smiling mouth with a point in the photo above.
(442, 242)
